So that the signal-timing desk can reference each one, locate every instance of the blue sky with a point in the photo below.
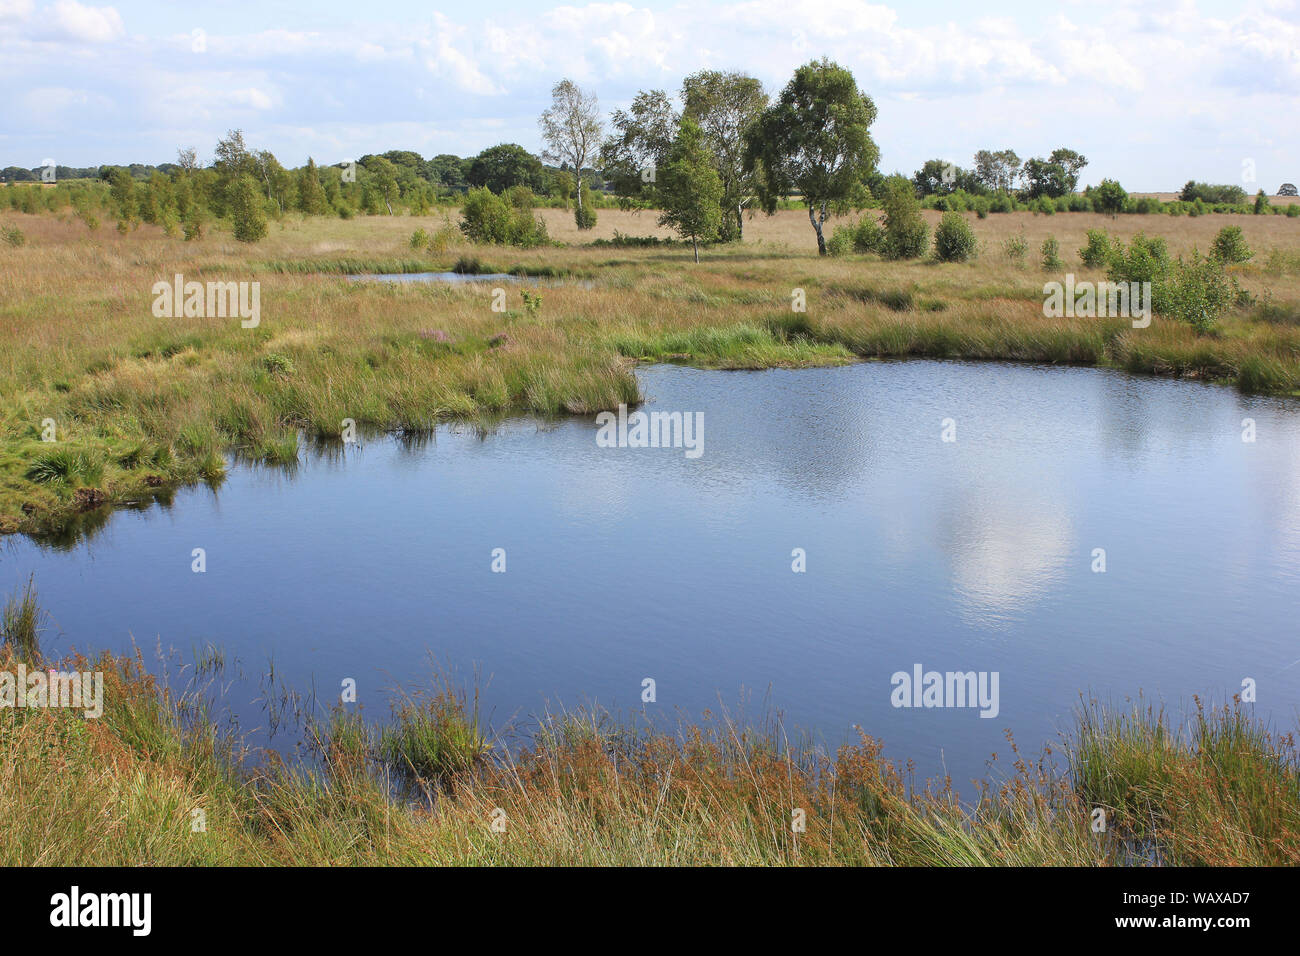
(1152, 93)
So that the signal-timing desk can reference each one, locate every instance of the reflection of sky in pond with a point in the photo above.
(633, 563)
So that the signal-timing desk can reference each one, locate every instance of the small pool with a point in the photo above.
(454, 278)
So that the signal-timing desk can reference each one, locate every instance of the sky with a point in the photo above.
(1153, 93)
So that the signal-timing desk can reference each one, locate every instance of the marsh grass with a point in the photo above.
(1173, 786)
(434, 739)
(586, 789)
(20, 624)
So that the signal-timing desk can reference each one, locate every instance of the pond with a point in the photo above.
(622, 564)
(452, 278)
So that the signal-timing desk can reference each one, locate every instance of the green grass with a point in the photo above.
(432, 739)
(20, 624)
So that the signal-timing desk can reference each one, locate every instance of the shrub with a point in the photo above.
(1045, 206)
(1001, 202)
(1293, 210)
(841, 241)
(954, 241)
(866, 236)
(1261, 203)
(419, 239)
(1230, 246)
(488, 217)
(1015, 248)
(982, 206)
(1098, 250)
(1145, 260)
(13, 236)
(906, 234)
(1209, 193)
(442, 240)
(1197, 292)
(1051, 253)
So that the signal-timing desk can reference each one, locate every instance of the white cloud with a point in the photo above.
(91, 24)
(16, 9)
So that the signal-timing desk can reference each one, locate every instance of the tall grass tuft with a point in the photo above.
(20, 624)
(435, 738)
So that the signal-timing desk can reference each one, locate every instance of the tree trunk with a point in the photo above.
(817, 224)
(695, 245)
(740, 221)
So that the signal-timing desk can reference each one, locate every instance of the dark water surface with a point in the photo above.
(628, 563)
(451, 278)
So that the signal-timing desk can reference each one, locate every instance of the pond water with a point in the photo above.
(626, 563)
(453, 278)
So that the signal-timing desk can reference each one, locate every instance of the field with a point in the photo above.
(138, 404)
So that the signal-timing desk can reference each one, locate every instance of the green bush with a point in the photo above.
(1098, 250)
(1197, 292)
(1050, 251)
(13, 236)
(866, 236)
(1261, 204)
(1145, 260)
(841, 241)
(954, 240)
(1293, 210)
(487, 217)
(1230, 246)
(906, 234)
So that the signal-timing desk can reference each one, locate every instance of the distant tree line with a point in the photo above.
(707, 158)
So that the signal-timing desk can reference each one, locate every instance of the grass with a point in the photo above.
(142, 404)
(20, 625)
(584, 789)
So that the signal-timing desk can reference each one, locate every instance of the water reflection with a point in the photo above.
(626, 563)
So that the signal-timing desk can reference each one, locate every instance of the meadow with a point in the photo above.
(137, 404)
